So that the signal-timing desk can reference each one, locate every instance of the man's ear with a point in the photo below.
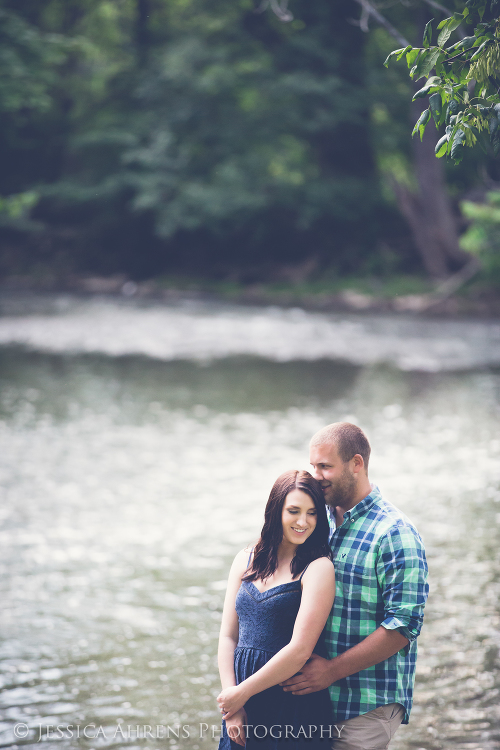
(358, 463)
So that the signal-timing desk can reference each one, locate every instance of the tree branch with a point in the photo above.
(452, 284)
(379, 18)
(440, 7)
(447, 12)
(278, 7)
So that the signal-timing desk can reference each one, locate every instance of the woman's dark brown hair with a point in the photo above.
(265, 558)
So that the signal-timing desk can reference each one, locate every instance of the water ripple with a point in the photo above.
(204, 332)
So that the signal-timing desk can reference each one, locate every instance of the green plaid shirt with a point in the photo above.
(381, 579)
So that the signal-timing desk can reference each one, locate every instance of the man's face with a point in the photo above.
(337, 479)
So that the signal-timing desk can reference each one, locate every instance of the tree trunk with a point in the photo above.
(428, 211)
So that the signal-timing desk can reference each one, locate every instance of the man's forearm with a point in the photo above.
(376, 647)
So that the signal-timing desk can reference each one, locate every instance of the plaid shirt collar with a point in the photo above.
(359, 509)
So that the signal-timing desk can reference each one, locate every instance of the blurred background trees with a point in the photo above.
(155, 137)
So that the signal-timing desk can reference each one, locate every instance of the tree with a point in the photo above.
(227, 137)
(464, 92)
(428, 209)
(177, 135)
(27, 60)
(425, 203)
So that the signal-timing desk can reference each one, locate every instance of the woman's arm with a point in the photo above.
(318, 591)
(228, 640)
(228, 637)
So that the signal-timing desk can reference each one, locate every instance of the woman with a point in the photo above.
(277, 602)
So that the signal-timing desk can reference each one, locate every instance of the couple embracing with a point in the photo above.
(318, 646)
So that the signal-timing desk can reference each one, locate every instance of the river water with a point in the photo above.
(138, 443)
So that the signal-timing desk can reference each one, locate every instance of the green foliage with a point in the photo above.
(28, 58)
(422, 122)
(15, 210)
(214, 119)
(482, 237)
(227, 134)
(203, 137)
(466, 80)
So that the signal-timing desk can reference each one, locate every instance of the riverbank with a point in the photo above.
(401, 294)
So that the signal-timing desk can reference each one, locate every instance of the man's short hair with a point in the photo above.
(348, 438)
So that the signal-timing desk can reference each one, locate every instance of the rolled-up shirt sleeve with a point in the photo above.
(402, 576)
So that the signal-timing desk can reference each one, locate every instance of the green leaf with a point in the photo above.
(484, 28)
(426, 42)
(463, 44)
(406, 49)
(483, 38)
(432, 82)
(411, 57)
(449, 26)
(456, 16)
(452, 109)
(457, 146)
(440, 70)
(421, 93)
(441, 147)
(480, 49)
(421, 123)
(426, 62)
(393, 54)
(436, 107)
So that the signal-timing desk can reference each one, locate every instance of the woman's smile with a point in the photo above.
(298, 517)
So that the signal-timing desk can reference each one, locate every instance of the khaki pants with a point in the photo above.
(371, 731)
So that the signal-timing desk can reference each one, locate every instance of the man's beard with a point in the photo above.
(342, 491)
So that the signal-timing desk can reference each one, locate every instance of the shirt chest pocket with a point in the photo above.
(355, 571)
(349, 574)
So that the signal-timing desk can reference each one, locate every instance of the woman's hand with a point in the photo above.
(231, 700)
(236, 727)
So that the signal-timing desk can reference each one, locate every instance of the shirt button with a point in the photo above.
(352, 520)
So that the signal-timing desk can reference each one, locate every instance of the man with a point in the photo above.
(381, 589)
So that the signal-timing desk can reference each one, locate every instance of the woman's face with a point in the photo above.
(299, 517)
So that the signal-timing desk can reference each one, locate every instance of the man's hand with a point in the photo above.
(319, 673)
(315, 675)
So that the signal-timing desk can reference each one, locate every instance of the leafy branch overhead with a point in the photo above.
(463, 79)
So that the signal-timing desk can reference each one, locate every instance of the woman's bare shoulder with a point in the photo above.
(321, 566)
(240, 562)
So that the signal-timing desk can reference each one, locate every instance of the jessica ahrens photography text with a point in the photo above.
(44, 732)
